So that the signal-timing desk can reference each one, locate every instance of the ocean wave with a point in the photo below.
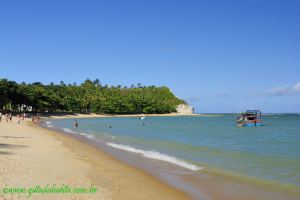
(70, 131)
(49, 124)
(80, 133)
(87, 135)
(157, 156)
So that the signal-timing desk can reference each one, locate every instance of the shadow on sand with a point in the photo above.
(5, 153)
(5, 136)
(4, 146)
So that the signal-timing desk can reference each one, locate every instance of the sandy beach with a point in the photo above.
(94, 115)
(32, 156)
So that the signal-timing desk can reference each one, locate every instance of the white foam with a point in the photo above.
(70, 131)
(48, 124)
(157, 156)
(80, 133)
(87, 135)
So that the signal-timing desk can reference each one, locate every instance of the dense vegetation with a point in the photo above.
(88, 97)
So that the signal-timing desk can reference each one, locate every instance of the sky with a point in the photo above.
(219, 56)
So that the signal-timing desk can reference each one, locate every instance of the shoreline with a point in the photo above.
(94, 115)
(207, 183)
(83, 165)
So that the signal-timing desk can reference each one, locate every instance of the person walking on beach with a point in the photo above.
(10, 116)
(18, 119)
(0, 116)
(6, 117)
(37, 118)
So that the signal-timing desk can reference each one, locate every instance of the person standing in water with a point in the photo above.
(75, 124)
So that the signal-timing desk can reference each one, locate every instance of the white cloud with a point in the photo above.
(285, 90)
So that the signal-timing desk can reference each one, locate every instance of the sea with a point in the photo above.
(187, 151)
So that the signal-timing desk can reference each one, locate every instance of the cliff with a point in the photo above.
(184, 109)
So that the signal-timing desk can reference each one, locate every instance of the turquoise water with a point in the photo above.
(270, 152)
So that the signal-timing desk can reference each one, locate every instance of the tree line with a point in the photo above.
(90, 96)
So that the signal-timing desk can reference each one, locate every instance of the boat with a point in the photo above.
(249, 118)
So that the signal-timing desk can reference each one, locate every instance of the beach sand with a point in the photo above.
(32, 156)
(93, 115)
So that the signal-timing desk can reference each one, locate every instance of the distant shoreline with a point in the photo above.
(93, 115)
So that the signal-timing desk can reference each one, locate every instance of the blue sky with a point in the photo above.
(221, 56)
